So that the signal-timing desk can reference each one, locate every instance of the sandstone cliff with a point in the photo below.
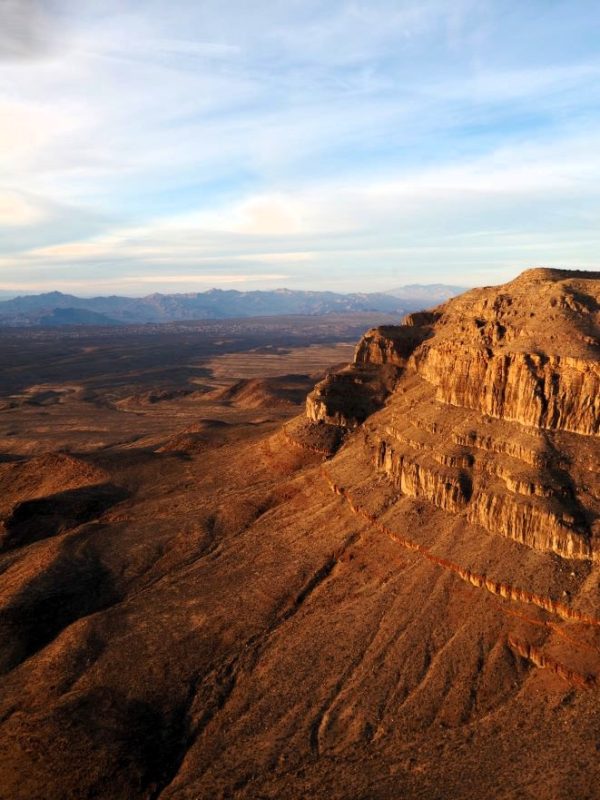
(348, 397)
(490, 408)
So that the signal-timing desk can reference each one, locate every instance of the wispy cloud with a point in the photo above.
(26, 29)
(139, 285)
(16, 210)
(354, 144)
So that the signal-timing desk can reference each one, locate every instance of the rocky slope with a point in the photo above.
(494, 408)
(395, 594)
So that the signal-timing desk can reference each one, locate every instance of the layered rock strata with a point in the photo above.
(346, 398)
(496, 353)
(532, 388)
(502, 589)
(494, 410)
(539, 659)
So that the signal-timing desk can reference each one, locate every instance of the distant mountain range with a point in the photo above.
(430, 293)
(54, 308)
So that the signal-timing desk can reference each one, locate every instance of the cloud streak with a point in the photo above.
(26, 30)
(352, 144)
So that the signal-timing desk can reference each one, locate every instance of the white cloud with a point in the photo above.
(16, 210)
(339, 138)
(434, 212)
(136, 284)
(204, 279)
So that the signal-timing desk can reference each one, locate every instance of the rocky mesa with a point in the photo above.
(489, 407)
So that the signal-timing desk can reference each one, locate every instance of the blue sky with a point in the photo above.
(148, 145)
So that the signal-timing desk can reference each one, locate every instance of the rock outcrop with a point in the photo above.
(493, 411)
(527, 352)
(477, 579)
(394, 345)
(346, 398)
(544, 391)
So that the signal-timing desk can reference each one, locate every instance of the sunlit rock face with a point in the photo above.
(526, 352)
(489, 407)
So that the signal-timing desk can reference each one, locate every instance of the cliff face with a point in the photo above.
(394, 345)
(543, 391)
(527, 506)
(494, 410)
(348, 397)
(527, 352)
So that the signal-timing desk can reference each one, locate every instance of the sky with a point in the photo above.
(179, 145)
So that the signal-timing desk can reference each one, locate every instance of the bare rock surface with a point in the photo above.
(490, 416)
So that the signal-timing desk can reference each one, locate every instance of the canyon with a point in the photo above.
(213, 588)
